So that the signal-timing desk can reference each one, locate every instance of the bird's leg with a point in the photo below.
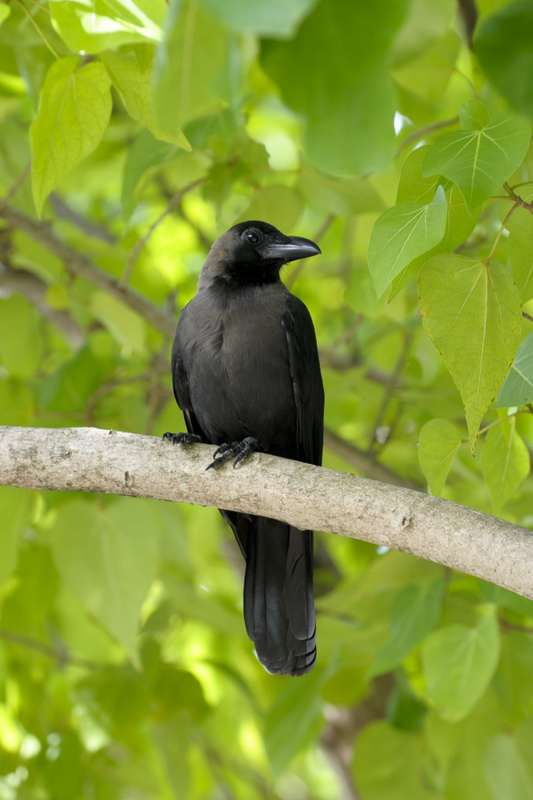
(239, 450)
(181, 438)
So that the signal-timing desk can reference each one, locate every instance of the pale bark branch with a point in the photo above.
(94, 460)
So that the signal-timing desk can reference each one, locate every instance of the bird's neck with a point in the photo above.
(229, 277)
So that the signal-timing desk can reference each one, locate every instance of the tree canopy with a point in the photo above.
(396, 134)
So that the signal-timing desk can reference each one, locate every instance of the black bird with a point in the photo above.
(246, 375)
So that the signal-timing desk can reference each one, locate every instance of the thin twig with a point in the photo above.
(487, 260)
(62, 656)
(84, 267)
(419, 134)
(176, 199)
(387, 395)
(18, 183)
(92, 229)
(38, 29)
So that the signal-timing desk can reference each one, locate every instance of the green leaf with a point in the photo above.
(398, 772)
(471, 312)
(402, 233)
(480, 161)
(4, 12)
(125, 325)
(517, 389)
(278, 18)
(131, 73)
(439, 444)
(338, 196)
(342, 88)
(473, 116)
(108, 558)
(280, 204)
(89, 26)
(504, 46)
(188, 68)
(459, 663)
(20, 355)
(520, 245)
(512, 682)
(74, 111)
(294, 720)
(508, 768)
(414, 186)
(505, 462)
(145, 156)
(459, 221)
(414, 613)
(347, 686)
(15, 505)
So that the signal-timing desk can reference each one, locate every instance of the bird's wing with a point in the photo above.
(306, 380)
(180, 385)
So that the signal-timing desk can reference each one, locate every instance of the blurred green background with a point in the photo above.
(132, 134)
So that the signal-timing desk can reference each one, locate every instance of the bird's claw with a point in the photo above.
(181, 438)
(229, 450)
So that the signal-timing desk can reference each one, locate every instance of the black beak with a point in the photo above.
(292, 249)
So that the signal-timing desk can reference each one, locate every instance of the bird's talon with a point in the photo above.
(239, 450)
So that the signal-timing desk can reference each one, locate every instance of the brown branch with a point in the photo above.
(20, 281)
(469, 14)
(63, 211)
(57, 654)
(82, 266)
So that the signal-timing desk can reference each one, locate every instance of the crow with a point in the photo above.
(246, 375)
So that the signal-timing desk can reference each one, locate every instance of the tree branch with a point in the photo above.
(83, 266)
(309, 497)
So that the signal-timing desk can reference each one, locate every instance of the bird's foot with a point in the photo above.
(229, 450)
(181, 438)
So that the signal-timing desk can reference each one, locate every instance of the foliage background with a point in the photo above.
(132, 134)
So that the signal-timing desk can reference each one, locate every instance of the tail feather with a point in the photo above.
(278, 596)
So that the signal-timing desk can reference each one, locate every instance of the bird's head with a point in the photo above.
(253, 252)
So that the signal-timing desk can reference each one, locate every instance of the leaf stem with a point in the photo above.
(38, 29)
(487, 260)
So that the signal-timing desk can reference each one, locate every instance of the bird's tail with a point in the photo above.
(279, 610)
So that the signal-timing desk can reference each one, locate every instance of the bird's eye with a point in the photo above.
(252, 236)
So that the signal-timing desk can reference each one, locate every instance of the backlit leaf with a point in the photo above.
(505, 462)
(508, 767)
(131, 73)
(415, 612)
(517, 389)
(94, 25)
(479, 161)
(108, 558)
(187, 73)
(402, 233)
(74, 110)
(398, 772)
(439, 444)
(347, 98)
(459, 663)
(471, 312)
